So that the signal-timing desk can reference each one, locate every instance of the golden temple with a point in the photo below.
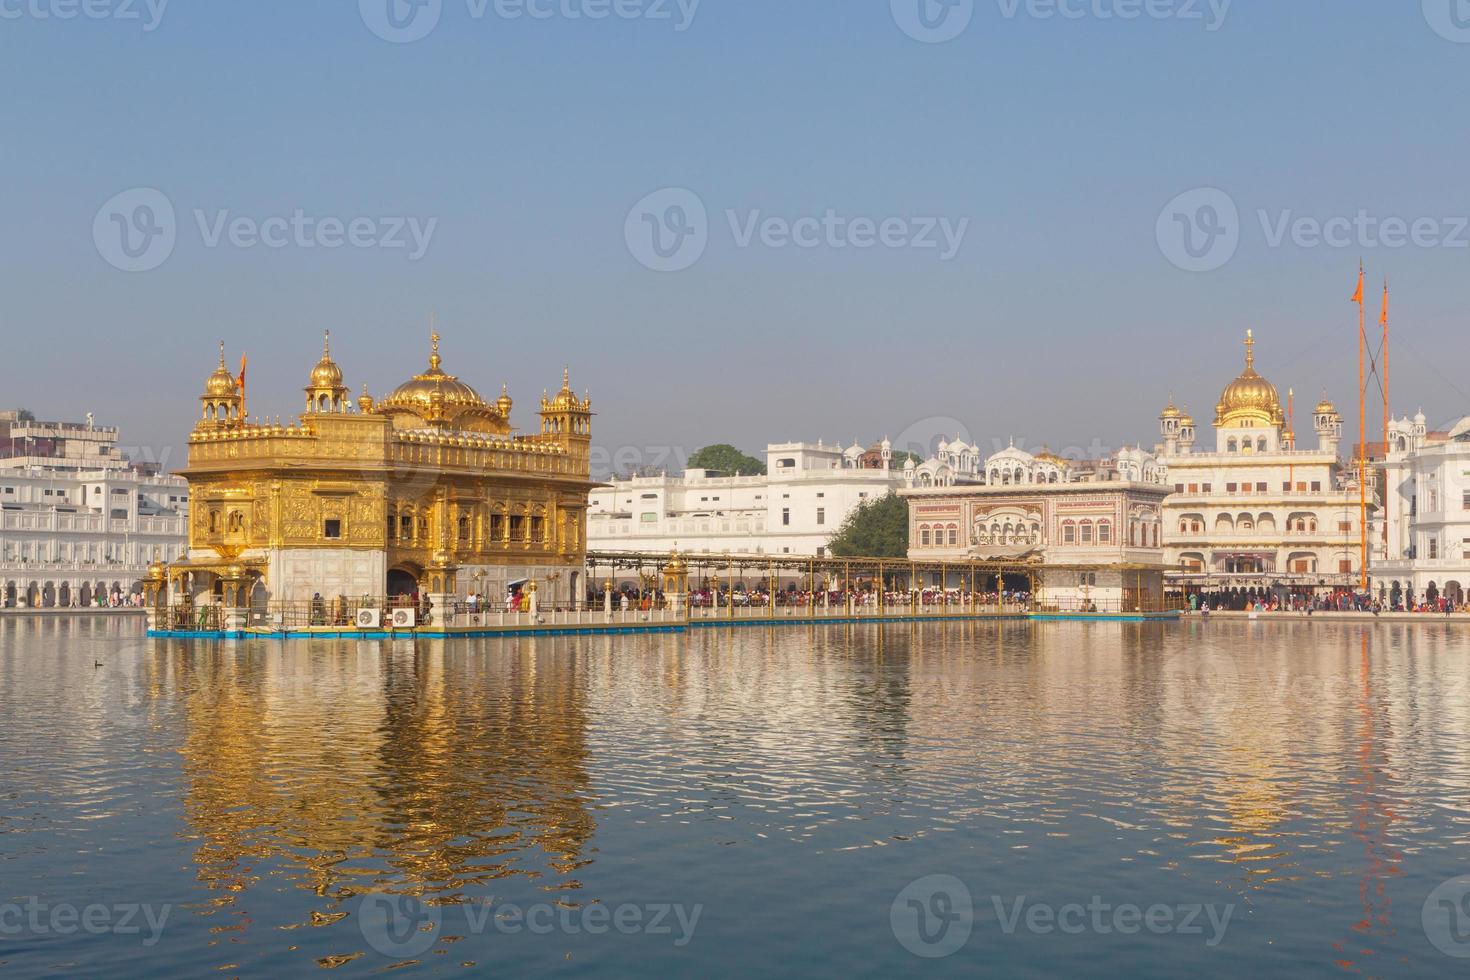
(429, 490)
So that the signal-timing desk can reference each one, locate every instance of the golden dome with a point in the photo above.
(1325, 407)
(442, 400)
(504, 403)
(326, 374)
(221, 383)
(1250, 399)
(365, 401)
(1172, 412)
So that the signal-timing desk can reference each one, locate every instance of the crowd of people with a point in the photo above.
(1257, 600)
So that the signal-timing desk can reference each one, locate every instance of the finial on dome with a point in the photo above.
(1250, 349)
(326, 343)
(221, 353)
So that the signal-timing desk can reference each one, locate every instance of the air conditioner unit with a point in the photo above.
(369, 619)
(403, 619)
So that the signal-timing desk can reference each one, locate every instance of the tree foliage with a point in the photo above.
(727, 459)
(876, 529)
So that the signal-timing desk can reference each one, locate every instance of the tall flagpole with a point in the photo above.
(1360, 299)
(1385, 394)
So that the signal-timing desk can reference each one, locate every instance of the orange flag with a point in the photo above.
(240, 382)
(1358, 296)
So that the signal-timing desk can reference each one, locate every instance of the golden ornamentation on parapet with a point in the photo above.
(1250, 400)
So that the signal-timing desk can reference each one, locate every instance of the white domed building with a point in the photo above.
(1257, 513)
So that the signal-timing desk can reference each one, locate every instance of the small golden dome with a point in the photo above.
(365, 401)
(566, 398)
(326, 374)
(1325, 407)
(1250, 399)
(504, 403)
(221, 383)
(1172, 412)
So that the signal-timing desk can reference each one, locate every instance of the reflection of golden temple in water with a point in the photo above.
(396, 771)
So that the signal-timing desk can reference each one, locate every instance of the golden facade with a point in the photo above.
(430, 489)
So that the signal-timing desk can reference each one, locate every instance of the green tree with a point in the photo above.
(726, 459)
(877, 529)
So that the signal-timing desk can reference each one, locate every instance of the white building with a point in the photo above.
(1426, 513)
(1256, 512)
(77, 518)
(809, 491)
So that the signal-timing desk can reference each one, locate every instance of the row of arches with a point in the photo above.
(60, 595)
(1245, 445)
(1298, 523)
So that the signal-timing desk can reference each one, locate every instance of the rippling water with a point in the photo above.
(738, 802)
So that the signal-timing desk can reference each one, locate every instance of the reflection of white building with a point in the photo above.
(76, 516)
(1427, 512)
(795, 510)
(1257, 511)
(1016, 506)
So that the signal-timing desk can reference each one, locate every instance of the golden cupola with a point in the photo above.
(326, 392)
(438, 400)
(221, 384)
(1250, 401)
(222, 400)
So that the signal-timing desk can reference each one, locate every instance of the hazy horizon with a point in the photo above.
(869, 233)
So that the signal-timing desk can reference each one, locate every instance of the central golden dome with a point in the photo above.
(1250, 400)
(443, 401)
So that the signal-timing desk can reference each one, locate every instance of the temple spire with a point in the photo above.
(1250, 350)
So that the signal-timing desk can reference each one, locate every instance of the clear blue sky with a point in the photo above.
(1059, 320)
